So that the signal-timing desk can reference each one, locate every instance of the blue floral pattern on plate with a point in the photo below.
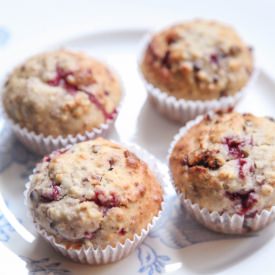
(176, 229)
(12, 151)
(5, 229)
(44, 266)
(4, 36)
(150, 261)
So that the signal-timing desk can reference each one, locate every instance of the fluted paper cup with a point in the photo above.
(213, 220)
(42, 145)
(182, 110)
(109, 254)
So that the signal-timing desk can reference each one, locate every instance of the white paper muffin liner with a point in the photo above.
(182, 110)
(223, 223)
(43, 145)
(121, 250)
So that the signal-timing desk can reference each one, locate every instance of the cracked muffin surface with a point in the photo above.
(95, 193)
(60, 93)
(197, 60)
(226, 163)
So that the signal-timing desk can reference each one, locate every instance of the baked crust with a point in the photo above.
(60, 93)
(197, 60)
(226, 163)
(96, 193)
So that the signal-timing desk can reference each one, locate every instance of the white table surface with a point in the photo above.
(254, 19)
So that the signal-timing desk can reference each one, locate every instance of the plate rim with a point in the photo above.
(69, 37)
(15, 54)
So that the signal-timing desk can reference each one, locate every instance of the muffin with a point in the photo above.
(200, 60)
(60, 94)
(224, 163)
(94, 196)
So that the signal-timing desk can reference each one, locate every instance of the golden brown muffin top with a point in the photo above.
(95, 193)
(61, 93)
(197, 60)
(226, 163)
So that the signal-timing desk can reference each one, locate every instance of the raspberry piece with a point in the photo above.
(235, 147)
(52, 196)
(61, 79)
(89, 235)
(100, 106)
(122, 232)
(47, 158)
(214, 58)
(245, 198)
(242, 163)
(102, 200)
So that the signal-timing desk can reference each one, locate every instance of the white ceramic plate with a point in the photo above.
(177, 244)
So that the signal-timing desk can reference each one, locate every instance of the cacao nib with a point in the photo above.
(34, 195)
(171, 39)
(214, 58)
(111, 163)
(207, 160)
(165, 62)
(223, 93)
(215, 79)
(196, 67)
(270, 118)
